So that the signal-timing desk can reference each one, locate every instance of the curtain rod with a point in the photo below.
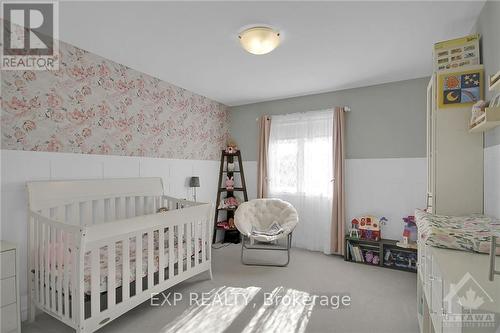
(346, 109)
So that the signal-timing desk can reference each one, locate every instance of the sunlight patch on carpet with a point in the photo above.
(216, 313)
(284, 310)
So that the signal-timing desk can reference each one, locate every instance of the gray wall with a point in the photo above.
(488, 25)
(386, 120)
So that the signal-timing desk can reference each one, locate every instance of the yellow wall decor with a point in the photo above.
(460, 88)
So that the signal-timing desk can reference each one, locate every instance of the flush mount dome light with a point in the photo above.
(259, 40)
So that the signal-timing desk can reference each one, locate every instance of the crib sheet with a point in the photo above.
(466, 233)
(132, 255)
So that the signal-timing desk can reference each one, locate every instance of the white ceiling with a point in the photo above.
(325, 46)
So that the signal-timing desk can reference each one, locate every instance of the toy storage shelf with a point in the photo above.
(380, 248)
(489, 120)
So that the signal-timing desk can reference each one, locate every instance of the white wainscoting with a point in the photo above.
(21, 166)
(492, 181)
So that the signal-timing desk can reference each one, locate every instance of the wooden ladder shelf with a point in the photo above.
(229, 234)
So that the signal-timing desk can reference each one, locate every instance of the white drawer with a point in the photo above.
(8, 264)
(9, 318)
(8, 291)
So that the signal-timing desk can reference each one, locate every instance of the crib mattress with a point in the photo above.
(466, 233)
(132, 256)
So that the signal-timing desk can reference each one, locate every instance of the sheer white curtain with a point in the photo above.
(300, 172)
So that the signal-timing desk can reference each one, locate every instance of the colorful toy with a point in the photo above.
(376, 259)
(410, 230)
(230, 183)
(368, 226)
(369, 256)
(230, 202)
(231, 147)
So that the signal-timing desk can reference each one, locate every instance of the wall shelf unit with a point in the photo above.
(487, 121)
(494, 83)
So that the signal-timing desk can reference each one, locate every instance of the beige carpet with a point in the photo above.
(382, 300)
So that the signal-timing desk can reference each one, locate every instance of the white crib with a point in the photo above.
(89, 238)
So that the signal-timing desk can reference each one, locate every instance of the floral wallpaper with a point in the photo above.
(92, 105)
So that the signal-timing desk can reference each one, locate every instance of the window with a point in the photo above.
(300, 154)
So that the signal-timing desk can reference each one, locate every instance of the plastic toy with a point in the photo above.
(410, 230)
(369, 256)
(231, 147)
(368, 226)
(230, 202)
(376, 259)
(230, 183)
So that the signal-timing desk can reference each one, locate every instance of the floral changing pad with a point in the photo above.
(466, 233)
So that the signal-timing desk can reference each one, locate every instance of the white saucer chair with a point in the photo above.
(261, 214)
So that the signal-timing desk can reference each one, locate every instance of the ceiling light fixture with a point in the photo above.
(259, 40)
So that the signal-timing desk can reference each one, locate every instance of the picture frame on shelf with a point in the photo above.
(460, 88)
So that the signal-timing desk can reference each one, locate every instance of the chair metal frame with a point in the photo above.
(264, 247)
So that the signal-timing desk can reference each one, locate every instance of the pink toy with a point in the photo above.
(375, 260)
(230, 202)
(230, 183)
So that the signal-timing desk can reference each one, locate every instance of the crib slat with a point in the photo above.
(130, 206)
(171, 248)
(94, 282)
(138, 264)
(46, 246)
(111, 275)
(188, 245)
(126, 269)
(161, 255)
(86, 213)
(180, 251)
(67, 262)
(203, 240)
(60, 264)
(151, 267)
(196, 236)
(97, 211)
(36, 257)
(119, 208)
(139, 202)
(53, 272)
(107, 210)
(41, 270)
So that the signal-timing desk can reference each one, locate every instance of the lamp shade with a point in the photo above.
(194, 182)
(259, 40)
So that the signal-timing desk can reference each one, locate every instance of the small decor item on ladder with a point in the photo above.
(231, 147)
(230, 183)
(230, 202)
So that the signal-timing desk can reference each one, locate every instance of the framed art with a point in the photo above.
(456, 53)
(457, 89)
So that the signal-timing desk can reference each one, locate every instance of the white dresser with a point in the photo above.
(446, 275)
(9, 289)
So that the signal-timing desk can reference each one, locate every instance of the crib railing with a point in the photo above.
(62, 238)
(53, 254)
